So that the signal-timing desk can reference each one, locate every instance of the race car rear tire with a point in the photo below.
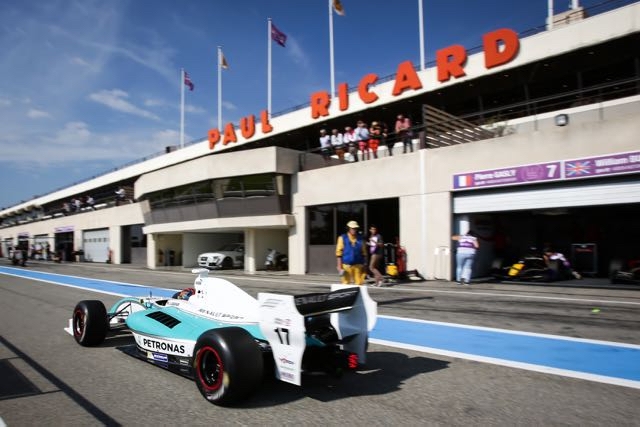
(90, 323)
(227, 364)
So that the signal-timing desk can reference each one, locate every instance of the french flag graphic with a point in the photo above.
(464, 181)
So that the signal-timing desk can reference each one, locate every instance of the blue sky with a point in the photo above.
(89, 85)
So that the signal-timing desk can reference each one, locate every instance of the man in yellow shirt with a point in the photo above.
(351, 253)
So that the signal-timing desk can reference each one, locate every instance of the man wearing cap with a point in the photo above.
(351, 253)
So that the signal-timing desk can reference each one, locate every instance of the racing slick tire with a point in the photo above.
(90, 323)
(227, 364)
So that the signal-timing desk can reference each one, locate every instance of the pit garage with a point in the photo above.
(42, 245)
(592, 222)
(95, 244)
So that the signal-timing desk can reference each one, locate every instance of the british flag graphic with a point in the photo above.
(578, 168)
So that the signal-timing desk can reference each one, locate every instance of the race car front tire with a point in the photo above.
(90, 323)
(227, 364)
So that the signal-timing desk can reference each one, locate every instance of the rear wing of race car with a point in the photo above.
(351, 311)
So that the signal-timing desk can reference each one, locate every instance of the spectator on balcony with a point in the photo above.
(349, 139)
(403, 130)
(375, 138)
(337, 142)
(325, 145)
(120, 195)
(76, 204)
(389, 142)
(89, 202)
(362, 138)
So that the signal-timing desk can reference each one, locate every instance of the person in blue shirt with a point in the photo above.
(351, 253)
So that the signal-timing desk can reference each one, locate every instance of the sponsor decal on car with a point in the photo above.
(306, 299)
(156, 344)
(287, 376)
(220, 315)
(160, 357)
(271, 303)
(286, 361)
(282, 322)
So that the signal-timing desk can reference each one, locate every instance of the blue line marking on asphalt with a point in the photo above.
(106, 286)
(587, 359)
(590, 357)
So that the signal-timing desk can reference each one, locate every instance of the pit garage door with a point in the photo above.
(42, 245)
(554, 197)
(95, 244)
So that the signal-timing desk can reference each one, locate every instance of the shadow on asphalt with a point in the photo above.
(384, 373)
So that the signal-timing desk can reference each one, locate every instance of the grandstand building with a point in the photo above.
(530, 140)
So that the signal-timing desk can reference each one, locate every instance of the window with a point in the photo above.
(321, 230)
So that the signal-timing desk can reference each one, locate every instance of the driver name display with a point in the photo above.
(588, 167)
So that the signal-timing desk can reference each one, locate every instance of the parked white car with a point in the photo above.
(228, 256)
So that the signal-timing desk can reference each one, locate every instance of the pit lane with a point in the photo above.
(402, 384)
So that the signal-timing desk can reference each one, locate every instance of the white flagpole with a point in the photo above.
(333, 81)
(220, 88)
(182, 107)
(269, 68)
(421, 23)
(550, 14)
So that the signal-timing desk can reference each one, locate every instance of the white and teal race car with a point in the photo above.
(226, 340)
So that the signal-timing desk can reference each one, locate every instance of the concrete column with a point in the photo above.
(152, 255)
(115, 244)
(298, 243)
(250, 250)
(77, 242)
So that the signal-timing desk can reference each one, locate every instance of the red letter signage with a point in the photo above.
(363, 88)
(406, 78)
(450, 62)
(319, 104)
(493, 55)
(214, 138)
(248, 126)
(264, 118)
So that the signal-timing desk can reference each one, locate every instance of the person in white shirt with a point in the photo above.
(325, 145)
(349, 139)
(120, 195)
(89, 202)
(337, 143)
(376, 245)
